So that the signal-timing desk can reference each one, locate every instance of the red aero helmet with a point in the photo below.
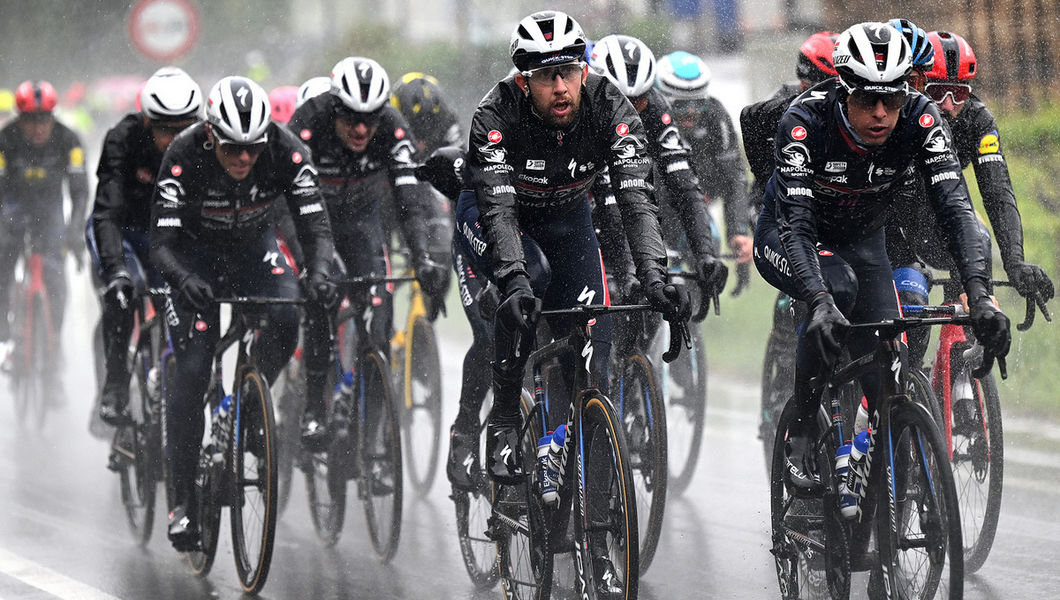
(814, 63)
(35, 96)
(954, 59)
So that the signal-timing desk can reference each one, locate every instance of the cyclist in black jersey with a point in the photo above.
(365, 153)
(212, 228)
(630, 65)
(37, 156)
(840, 148)
(913, 234)
(132, 152)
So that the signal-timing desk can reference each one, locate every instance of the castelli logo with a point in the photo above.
(305, 134)
(176, 170)
(399, 133)
(666, 118)
(296, 157)
(200, 325)
(927, 120)
(143, 175)
(798, 133)
(622, 129)
(494, 136)
(825, 253)
(277, 270)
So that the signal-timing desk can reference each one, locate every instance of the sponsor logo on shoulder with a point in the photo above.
(535, 164)
(926, 121)
(989, 144)
(835, 166)
(622, 129)
(798, 132)
(937, 140)
(796, 155)
(494, 136)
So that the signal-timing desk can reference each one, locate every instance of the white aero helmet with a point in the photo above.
(238, 111)
(628, 62)
(682, 76)
(873, 57)
(546, 38)
(361, 84)
(171, 95)
(312, 87)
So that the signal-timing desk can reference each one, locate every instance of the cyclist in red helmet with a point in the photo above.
(37, 156)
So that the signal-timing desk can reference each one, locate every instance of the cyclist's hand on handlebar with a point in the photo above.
(712, 275)
(320, 289)
(1029, 279)
(433, 277)
(671, 299)
(119, 289)
(195, 292)
(827, 327)
(520, 308)
(991, 327)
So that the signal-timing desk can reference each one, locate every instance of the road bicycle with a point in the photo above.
(596, 513)
(35, 342)
(967, 408)
(365, 435)
(908, 503)
(778, 369)
(238, 466)
(136, 449)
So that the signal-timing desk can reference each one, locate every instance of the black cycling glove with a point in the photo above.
(520, 308)
(991, 327)
(320, 289)
(119, 290)
(670, 299)
(1028, 279)
(195, 292)
(433, 277)
(712, 275)
(826, 328)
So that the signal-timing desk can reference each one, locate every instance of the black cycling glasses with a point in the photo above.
(169, 128)
(355, 118)
(959, 92)
(868, 100)
(234, 149)
(569, 73)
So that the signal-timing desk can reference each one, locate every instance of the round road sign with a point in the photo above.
(163, 30)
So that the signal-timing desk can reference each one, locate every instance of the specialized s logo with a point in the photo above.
(926, 121)
(937, 141)
(796, 155)
(242, 95)
(572, 167)
(798, 133)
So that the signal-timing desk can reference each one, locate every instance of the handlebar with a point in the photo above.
(679, 333)
(256, 300)
(1032, 301)
(704, 306)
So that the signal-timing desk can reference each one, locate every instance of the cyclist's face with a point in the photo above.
(355, 131)
(36, 127)
(238, 159)
(163, 132)
(556, 92)
(873, 116)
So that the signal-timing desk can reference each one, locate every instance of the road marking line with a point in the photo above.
(50, 581)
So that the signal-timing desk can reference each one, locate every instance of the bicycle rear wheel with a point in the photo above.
(473, 510)
(379, 455)
(644, 421)
(918, 529)
(685, 393)
(778, 379)
(810, 544)
(606, 505)
(137, 452)
(290, 388)
(326, 473)
(254, 464)
(420, 392)
(34, 352)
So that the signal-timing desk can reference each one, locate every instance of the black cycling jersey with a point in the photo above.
(829, 188)
(31, 177)
(520, 169)
(758, 125)
(354, 184)
(127, 169)
(197, 204)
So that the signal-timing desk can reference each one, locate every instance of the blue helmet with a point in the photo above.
(683, 76)
(923, 54)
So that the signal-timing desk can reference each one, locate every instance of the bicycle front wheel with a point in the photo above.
(644, 420)
(608, 554)
(685, 393)
(918, 528)
(421, 395)
(254, 462)
(379, 455)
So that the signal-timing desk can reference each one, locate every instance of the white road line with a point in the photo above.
(50, 581)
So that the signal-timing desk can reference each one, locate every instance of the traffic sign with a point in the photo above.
(163, 30)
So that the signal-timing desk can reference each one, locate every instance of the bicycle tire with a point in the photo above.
(326, 473)
(921, 392)
(473, 511)
(685, 393)
(644, 422)
(517, 525)
(420, 385)
(602, 443)
(31, 388)
(978, 462)
(291, 391)
(209, 509)
(918, 529)
(254, 466)
(801, 527)
(137, 479)
(778, 384)
(380, 484)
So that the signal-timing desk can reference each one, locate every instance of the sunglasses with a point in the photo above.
(958, 92)
(169, 128)
(234, 149)
(36, 117)
(869, 100)
(355, 118)
(569, 73)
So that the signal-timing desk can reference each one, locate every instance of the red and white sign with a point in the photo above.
(798, 133)
(926, 120)
(163, 30)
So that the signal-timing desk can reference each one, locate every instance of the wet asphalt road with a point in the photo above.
(63, 534)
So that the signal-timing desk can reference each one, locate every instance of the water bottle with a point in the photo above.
(344, 386)
(219, 428)
(548, 485)
(154, 381)
(861, 420)
(340, 401)
(848, 503)
(858, 467)
(555, 454)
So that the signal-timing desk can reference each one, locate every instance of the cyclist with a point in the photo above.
(314, 86)
(284, 101)
(840, 147)
(715, 147)
(117, 233)
(37, 156)
(913, 232)
(630, 65)
(211, 228)
(361, 145)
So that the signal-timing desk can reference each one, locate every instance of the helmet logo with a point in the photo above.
(242, 95)
(364, 68)
(630, 49)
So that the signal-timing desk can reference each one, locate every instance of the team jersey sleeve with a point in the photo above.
(169, 218)
(305, 203)
(411, 204)
(77, 183)
(607, 221)
(110, 207)
(995, 186)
